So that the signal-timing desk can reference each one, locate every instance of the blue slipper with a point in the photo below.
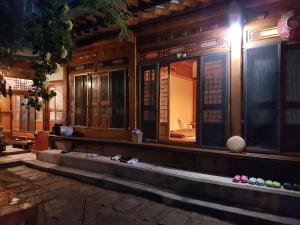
(252, 181)
(260, 182)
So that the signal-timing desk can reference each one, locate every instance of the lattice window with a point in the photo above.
(293, 116)
(56, 105)
(213, 82)
(149, 78)
(24, 118)
(164, 93)
(293, 76)
(212, 116)
(18, 83)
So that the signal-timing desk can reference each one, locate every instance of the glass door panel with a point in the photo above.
(164, 78)
(95, 101)
(117, 99)
(213, 105)
(104, 101)
(291, 100)
(261, 87)
(81, 100)
(149, 102)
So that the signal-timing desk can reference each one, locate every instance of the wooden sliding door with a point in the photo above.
(213, 105)
(261, 96)
(148, 103)
(291, 99)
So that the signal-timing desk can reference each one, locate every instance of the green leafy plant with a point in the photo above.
(114, 12)
(49, 33)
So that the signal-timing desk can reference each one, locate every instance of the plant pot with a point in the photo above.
(137, 138)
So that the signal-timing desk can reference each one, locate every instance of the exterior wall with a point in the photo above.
(197, 34)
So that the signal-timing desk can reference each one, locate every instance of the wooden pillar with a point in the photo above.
(235, 37)
(132, 83)
(236, 90)
(66, 94)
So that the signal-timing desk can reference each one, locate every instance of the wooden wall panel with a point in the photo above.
(92, 55)
(5, 116)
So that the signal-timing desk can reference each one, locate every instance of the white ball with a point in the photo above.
(236, 144)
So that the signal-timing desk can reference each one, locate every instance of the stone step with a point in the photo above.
(235, 214)
(190, 184)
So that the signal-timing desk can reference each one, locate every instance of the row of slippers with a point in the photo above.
(125, 159)
(128, 160)
(268, 183)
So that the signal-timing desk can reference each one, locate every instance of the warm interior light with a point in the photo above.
(234, 32)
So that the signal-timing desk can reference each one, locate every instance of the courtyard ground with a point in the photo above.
(62, 202)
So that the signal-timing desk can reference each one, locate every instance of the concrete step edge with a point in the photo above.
(109, 182)
(167, 171)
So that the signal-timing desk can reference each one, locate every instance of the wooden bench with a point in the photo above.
(21, 142)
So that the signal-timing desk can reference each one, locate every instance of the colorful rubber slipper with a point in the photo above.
(244, 179)
(276, 184)
(260, 182)
(296, 187)
(237, 179)
(252, 181)
(116, 157)
(288, 186)
(269, 183)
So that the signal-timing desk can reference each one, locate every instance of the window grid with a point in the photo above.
(164, 93)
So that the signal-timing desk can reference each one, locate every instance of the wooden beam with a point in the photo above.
(160, 10)
(174, 6)
(204, 1)
(147, 15)
(143, 5)
(91, 19)
(189, 3)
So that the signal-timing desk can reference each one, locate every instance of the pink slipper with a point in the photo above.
(237, 179)
(244, 179)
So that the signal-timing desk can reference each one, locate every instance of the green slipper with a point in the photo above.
(252, 181)
(269, 183)
(260, 182)
(276, 184)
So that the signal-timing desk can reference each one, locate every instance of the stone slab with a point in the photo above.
(243, 216)
(201, 186)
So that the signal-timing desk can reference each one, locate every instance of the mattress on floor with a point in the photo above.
(184, 133)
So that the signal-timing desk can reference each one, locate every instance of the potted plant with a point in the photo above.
(137, 136)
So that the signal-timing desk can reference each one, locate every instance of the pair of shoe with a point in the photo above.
(91, 155)
(273, 184)
(128, 160)
(256, 181)
(262, 182)
(289, 186)
(116, 157)
(240, 179)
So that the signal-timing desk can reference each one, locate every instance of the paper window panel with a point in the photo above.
(213, 78)
(293, 116)
(293, 76)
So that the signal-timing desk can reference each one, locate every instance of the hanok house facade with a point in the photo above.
(189, 77)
